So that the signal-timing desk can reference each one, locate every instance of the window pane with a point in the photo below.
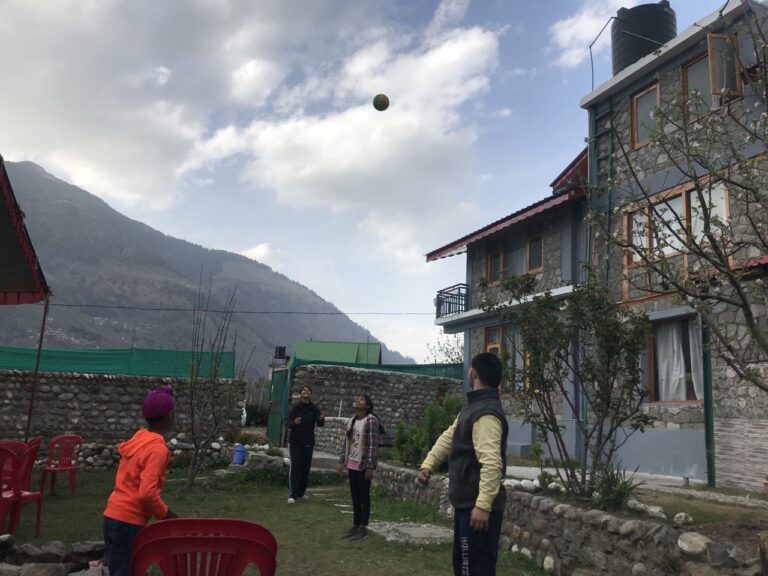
(697, 81)
(645, 122)
(535, 253)
(492, 337)
(668, 228)
(639, 224)
(724, 60)
(714, 202)
(669, 361)
(494, 267)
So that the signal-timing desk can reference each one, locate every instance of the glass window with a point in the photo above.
(668, 226)
(494, 270)
(714, 207)
(643, 121)
(723, 65)
(535, 253)
(493, 340)
(697, 84)
(639, 226)
(677, 361)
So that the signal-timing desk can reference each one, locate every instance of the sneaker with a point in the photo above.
(351, 532)
(291, 501)
(361, 534)
(305, 497)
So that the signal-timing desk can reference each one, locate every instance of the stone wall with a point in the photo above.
(566, 539)
(397, 397)
(103, 409)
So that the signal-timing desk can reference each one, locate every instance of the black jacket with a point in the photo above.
(304, 433)
(463, 466)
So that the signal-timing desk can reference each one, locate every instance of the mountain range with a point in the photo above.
(93, 255)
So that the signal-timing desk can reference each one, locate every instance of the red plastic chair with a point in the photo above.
(203, 556)
(14, 496)
(18, 448)
(64, 451)
(206, 527)
(9, 465)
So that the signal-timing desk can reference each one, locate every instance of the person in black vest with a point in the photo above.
(302, 419)
(476, 448)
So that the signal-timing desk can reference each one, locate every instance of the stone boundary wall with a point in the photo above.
(328, 438)
(565, 539)
(397, 397)
(102, 408)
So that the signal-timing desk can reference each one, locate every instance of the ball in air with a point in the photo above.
(381, 102)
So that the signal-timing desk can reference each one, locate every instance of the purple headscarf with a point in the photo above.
(158, 403)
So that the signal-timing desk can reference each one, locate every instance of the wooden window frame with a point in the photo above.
(489, 346)
(528, 268)
(633, 114)
(712, 70)
(493, 251)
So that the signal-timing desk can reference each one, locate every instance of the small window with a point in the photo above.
(675, 362)
(669, 226)
(723, 68)
(639, 234)
(535, 254)
(494, 265)
(643, 119)
(714, 207)
(493, 340)
(696, 77)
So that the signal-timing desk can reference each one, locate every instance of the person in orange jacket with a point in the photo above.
(140, 478)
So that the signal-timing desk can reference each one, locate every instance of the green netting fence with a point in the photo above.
(455, 371)
(126, 361)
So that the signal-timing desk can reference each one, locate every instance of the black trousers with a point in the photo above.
(475, 553)
(301, 462)
(361, 497)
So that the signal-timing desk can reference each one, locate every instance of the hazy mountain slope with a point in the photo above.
(92, 254)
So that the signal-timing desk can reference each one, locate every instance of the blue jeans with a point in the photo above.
(475, 553)
(118, 538)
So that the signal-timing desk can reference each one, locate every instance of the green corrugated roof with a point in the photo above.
(351, 352)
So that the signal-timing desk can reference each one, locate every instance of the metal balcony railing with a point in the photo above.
(452, 300)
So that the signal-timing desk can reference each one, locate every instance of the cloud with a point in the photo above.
(254, 81)
(265, 254)
(448, 14)
(571, 37)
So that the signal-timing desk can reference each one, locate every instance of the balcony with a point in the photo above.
(452, 300)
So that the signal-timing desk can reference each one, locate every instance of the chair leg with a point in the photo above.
(37, 520)
(5, 506)
(15, 516)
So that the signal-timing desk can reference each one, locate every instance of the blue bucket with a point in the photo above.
(238, 456)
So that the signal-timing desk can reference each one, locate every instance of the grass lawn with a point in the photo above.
(308, 533)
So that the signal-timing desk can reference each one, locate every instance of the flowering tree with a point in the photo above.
(705, 240)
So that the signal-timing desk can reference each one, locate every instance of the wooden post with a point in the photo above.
(763, 560)
(36, 373)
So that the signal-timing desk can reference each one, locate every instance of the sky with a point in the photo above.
(248, 126)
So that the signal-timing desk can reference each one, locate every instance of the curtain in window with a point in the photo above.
(697, 359)
(670, 362)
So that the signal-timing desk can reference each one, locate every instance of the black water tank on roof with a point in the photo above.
(632, 26)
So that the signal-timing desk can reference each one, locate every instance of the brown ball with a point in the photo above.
(381, 102)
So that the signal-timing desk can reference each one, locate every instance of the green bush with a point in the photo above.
(279, 477)
(613, 487)
(274, 451)
(412, 443)
(256, 415)
(546, 478)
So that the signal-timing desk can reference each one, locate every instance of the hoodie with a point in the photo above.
(140, 478)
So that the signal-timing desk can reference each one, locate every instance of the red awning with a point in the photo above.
(460, 245)
(21, 277)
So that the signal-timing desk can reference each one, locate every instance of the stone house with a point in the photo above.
(710, 423)
(547, 239)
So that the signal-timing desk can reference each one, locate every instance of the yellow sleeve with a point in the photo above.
(441, 450)
(486, 437)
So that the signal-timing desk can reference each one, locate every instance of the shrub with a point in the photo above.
(274, 451)
(256, 415)
(412, 443)
(613, 487)
(546, 478)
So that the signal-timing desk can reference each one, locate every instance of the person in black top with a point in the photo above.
(302, 419)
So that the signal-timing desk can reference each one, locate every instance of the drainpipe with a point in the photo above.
(709, 420)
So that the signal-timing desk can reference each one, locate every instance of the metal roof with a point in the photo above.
(348, 352)
(21, 277)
